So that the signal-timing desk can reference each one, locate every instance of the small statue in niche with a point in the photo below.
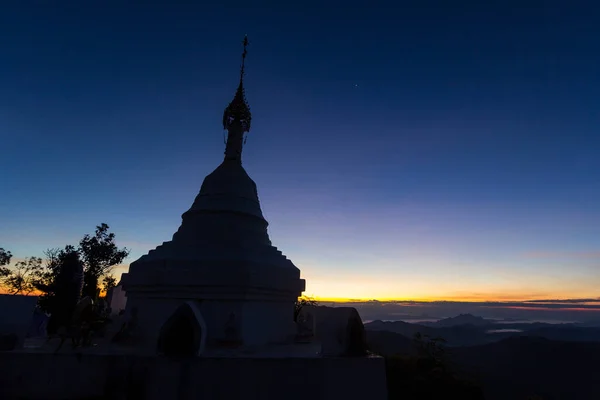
(128, 327)
(231, 333)
(230, 328)
(305, 327)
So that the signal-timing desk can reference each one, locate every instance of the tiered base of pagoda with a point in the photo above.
(160, 321)
(222, 294)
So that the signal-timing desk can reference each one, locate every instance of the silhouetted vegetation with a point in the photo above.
(98, 254)
(518, 367)
(23, 277)
(108, 283)
(412, 378)
(5, 257)
(65, 289)
(301, 302)
(425, 372)
(66, 276)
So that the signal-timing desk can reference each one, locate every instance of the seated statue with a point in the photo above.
(305, 327)
(127, 328)
(231, 336)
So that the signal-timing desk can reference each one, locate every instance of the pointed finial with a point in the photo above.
(246, 43)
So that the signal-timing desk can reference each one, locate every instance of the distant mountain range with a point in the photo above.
(551, 361)
(470, 330)
(462, 319)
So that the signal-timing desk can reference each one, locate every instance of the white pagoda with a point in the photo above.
(219, 282)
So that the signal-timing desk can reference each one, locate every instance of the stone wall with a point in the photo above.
(29, 376)
(16, 315)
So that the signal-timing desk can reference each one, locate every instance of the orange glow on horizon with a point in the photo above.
(430, 299)
(467, 299)
(4, 291)
(362, 287)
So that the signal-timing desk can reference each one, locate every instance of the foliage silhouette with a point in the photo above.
(65, 289)
(301, 302)
(423, 371)
(45, 283)
(5, 257)
(108, 282)
(99, 254)
(431, 348)
(24, 277)
(415, 377)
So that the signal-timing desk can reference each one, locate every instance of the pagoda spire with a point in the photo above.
(237, 116)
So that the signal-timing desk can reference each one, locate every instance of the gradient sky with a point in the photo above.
(409, 150)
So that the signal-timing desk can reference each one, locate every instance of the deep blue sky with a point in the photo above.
(426, 149)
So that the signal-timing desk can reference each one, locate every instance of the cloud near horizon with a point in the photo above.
(564, 301)
(567, 310)
(544, 303)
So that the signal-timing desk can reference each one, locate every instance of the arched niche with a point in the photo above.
(184, 333)
(356, 340)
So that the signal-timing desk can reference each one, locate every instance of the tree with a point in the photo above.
(430, 348)
(49, 280)
(301, 302)
(5, 257)
(99, 254)
(24, 277)
(426, 372)
(64, 289)
(108, 283)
